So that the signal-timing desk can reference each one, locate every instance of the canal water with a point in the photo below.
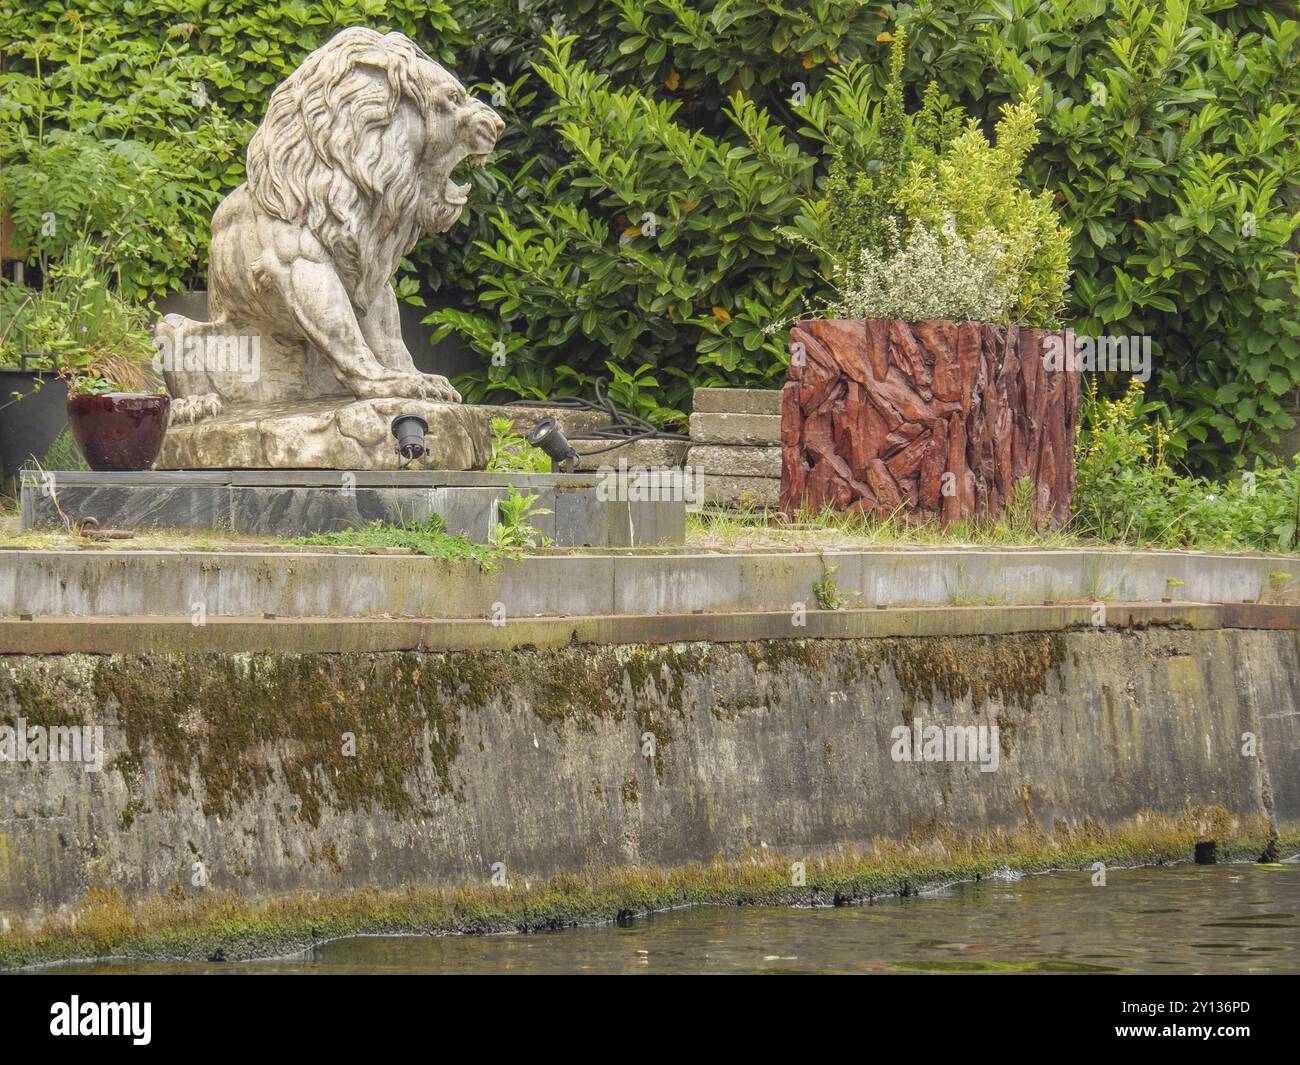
(1181, 919)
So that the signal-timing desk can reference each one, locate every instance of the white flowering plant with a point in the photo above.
(933, 273)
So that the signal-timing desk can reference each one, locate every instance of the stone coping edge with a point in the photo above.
(349, 586)
(163, 635)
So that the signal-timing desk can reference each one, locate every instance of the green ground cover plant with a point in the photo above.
(511, 452)
(427, 537)
(1126, 492)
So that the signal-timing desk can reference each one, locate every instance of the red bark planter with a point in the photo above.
(119, 430)
(928, 420)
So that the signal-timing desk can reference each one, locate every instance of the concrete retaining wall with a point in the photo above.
(352, 585)
(137, 635)
(234, 771)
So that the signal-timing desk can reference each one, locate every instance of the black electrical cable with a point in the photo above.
(624, 428)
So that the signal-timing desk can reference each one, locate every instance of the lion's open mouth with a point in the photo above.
(458, 195)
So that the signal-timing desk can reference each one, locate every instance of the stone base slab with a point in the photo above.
(332, 433)
(289, 503)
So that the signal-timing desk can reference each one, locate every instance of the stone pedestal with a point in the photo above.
(735, 438)
(927, 420)
(331, 434)
(576, 510)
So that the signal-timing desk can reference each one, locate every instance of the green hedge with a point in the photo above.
(165, 92)
(1176, 177)
(1171, 141)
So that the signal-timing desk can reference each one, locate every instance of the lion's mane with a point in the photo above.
(322, 157)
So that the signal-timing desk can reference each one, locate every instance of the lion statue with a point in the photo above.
(351, 164)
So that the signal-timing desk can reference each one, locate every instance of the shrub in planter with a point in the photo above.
(934, 381)
(101, 345)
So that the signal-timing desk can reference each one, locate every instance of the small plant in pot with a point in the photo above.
(112, 189)
(101, 344)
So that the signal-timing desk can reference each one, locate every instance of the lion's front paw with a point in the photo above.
(408, 386)
(195, 408)
(436, 387)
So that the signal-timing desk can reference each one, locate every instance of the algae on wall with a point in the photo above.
(355, 728)
(227, 927)
(338, 772)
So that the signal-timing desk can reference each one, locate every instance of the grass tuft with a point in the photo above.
(426, 537)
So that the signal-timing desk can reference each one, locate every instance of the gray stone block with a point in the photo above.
(731, 491)
(736, 460)
(131, 506)
(764, 429)
(582, 520)
(573, 422)
(653, 522)
(289, 511)
(644, 454)
(737, 401)
(472, 512)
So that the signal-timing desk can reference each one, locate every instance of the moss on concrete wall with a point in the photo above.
(534, 759)
(207, 716)
(204, 716)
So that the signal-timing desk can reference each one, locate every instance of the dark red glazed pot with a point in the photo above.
(119, 430)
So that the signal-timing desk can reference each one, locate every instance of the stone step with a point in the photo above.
(644, 454)
(572, 422)
(738, 460)
(289, 503)
(763, 429)
(737, 401)
(122, 581)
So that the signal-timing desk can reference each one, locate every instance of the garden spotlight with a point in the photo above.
(409, 430)
(547, 436)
